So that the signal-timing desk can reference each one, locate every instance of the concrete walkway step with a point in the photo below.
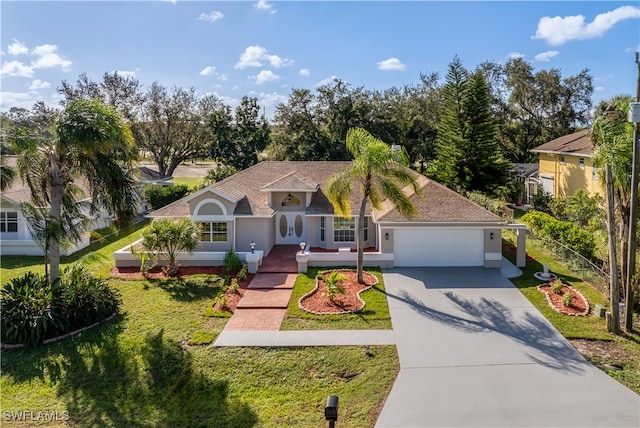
(255, 319)
(305, 338)
(265, 299)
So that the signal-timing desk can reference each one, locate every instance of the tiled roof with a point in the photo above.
(439, 204)
(578, 144)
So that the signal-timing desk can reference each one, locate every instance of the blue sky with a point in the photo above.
(267, 48)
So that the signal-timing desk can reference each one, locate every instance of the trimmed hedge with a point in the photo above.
(565, 232)
(159, 196)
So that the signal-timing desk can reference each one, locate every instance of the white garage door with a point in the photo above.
(438, 247)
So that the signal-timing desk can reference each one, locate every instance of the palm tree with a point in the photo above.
(167, 238)
(379, 173)
(7, 173)
(87, 141)
(612, 136)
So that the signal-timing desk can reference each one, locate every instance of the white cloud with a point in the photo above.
(304, 72)
(326, 81)
(598, 88)
(17, 48)
(223, 77)
(16, 68)
(47, 57)
(127, 73)
(514, 55)
(636, 49)
(39, 84)
(391, 64)
(546, 56)
(44, 49)
(208, 71)
(263, 5)
(256, 56)
(558, 30)
(212, 16)
(266, 76)
(18, 99)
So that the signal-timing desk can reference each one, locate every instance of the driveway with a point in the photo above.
(474, 352)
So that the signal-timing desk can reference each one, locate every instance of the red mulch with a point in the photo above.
(335, 250)
(579, 306)
(318, 302)
(511, 250)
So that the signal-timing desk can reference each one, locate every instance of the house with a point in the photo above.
(15, 237)
(283, 203)
(566, 165)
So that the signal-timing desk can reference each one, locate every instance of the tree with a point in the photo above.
(238, 142)
(86, 141)
(535, 107)
(468, 157)
(612, 136)
(172, 126)
(378, 173)
(7, 173)
(167, 238)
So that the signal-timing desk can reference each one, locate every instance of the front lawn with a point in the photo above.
(139, 371)
(374, 316)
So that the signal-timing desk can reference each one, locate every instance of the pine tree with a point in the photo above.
(469, 156)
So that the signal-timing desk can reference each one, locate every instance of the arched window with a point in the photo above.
(290, 200)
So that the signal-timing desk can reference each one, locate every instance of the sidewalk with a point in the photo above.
(305, 338)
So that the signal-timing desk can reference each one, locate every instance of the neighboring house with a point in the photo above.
(15, 238)
(527, 175)
(283, 203)
(566, 165)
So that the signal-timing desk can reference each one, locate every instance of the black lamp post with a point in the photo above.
(252, 246)
(331, 410)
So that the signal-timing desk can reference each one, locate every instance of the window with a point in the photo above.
(290, 201)
(366, 229)
(344, 229)
(213, 232)
(8, 222)
(581, 162)
(321, 229)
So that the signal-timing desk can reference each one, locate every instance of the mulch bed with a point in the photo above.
(318, 302)
(511, 250)
(579, 305)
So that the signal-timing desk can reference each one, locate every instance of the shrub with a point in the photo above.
(86, 299)
(167, 238)
(567, 299)
(556, 286)
(221, 302)
(234, 286)
(242, 275)
(333, 282)
(34, 309)
(31, 310)
(567, 233)
(159, 196)
(231, 262)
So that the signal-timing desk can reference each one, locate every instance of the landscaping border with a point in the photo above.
(336, 313)
(581, 314)
(62, 337)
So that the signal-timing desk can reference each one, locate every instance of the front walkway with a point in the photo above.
(474, 352)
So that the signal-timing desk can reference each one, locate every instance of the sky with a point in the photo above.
(265, 49)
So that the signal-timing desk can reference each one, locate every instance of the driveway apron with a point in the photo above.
(474, 352)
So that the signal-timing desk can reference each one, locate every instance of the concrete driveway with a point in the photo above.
(474, 352)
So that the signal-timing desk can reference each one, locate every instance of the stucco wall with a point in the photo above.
(209, 197)
(277, 198)
(259, 230)
(569, 176)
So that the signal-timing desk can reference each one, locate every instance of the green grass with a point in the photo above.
(374, 316)
(139, 371)
(590, 327)
(192, 182)
(98, 257)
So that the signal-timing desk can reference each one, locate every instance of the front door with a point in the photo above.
(290, 228)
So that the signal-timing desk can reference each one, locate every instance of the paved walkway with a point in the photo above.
(474, 352)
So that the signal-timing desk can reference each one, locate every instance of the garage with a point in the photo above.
(416, 246)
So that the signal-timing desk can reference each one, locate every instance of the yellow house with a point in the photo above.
(566, 166)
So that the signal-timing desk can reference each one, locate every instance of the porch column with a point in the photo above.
(303, 261)
(521, 247)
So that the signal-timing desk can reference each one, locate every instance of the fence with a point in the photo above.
(582, 267)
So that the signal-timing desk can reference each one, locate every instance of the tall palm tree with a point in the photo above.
(612, 136)
(87, 141)
(7, 173)
(379, 173)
